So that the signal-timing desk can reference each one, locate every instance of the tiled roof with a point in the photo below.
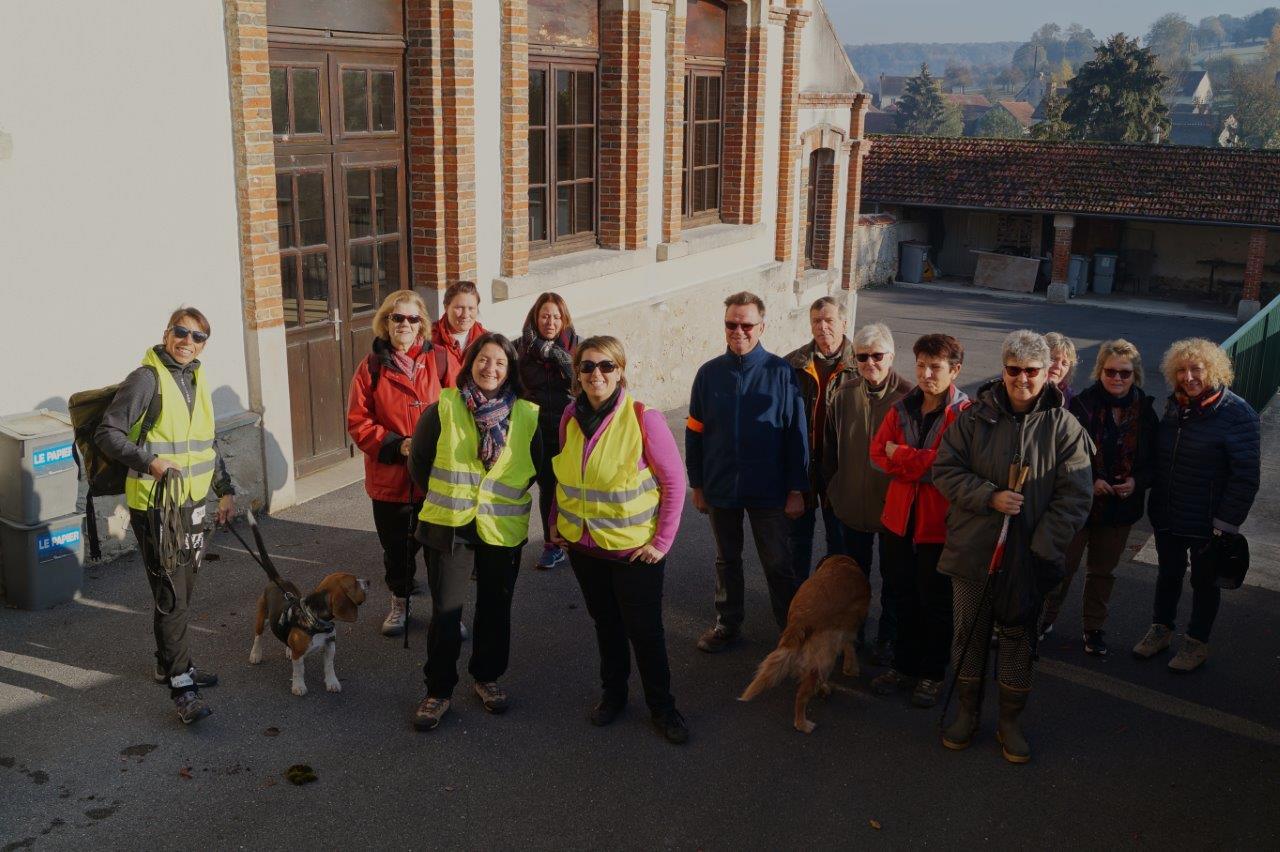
(1188, 82)
(1212, 185)
(1021, 110)
(962, 99)
(892, 85)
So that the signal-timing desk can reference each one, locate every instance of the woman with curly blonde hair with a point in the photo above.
(1206, 478)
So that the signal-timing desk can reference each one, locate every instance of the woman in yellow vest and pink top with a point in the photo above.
(619, 493)
(474, 454)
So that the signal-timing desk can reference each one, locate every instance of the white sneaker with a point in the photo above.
(393, 624)
(1191, 655)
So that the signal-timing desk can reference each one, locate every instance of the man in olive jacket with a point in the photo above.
(854, 488)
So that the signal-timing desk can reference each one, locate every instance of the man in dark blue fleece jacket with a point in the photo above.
(747, 451)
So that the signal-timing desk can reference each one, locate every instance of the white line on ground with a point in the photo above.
(15, 698)
(1159, 701)
(72, 676)
(97, 604)
(274, 556)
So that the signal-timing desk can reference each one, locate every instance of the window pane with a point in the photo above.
(388, 201)
(713, 143)
(564, 97)
(315, 287)
(563, 216)
(355, 107)
(700, 144)
(389, 267)
(584, 208)
(289, 289)
(359, 213)
(538, 214)
(537, 97)
(699, 192)
(564, 155)
(311, 209)
(384, 100)
(586, 113)
(537, 156)
(284, 209)
(700, 110)
(713, 188)
(363, 296)
(585, 151)
(713, 97)
(279, 101)
(306, 100)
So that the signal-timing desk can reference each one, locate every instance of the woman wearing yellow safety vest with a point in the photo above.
(619, 493)
(475, 454)
(182, 439)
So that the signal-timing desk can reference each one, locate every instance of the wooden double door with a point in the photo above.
(338, 122)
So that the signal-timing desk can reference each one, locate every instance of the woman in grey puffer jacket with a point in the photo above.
(1016, 420)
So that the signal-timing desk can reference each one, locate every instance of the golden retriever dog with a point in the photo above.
(822, 621)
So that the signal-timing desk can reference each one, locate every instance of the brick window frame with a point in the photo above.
(710, 132)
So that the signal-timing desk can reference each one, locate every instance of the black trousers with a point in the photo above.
(449, 575)
(393, 522)
(625, 601)
(923, 606)
(546, 475)
(771, 529)
(1173, 552)
(173, 640)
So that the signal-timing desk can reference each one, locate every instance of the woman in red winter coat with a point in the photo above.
(915, 518)
(458, 327)
(390, 389)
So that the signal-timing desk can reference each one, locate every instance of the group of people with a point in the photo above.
(978, 511)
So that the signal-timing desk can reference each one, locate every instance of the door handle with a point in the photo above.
(337, 324)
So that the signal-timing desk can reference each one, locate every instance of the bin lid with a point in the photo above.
(35, 424)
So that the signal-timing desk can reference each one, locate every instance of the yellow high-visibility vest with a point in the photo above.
(460, 489)
(180, 436)
(606, 494)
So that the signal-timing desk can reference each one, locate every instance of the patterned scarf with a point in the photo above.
(559, 350)
(492, 416)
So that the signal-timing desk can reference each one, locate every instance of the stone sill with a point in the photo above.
(709, 237)
(554, 272)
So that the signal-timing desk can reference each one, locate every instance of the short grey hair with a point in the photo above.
(830, 301)
(1024, 346)
(875, 336)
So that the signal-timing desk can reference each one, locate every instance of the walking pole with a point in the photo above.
(408, 574)
(1017, 479)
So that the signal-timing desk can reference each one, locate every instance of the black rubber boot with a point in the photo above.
(1012, 703)
(959, 734)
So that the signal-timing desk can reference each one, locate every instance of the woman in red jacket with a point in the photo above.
(458, 327)
(915, 518)
(390, 389)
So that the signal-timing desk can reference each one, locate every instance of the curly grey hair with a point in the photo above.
(1024, 347)
(875, 336)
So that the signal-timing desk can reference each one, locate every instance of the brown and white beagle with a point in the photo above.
(337, 596)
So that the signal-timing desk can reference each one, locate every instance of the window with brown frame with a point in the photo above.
(304, 246)
(703, 125)
(373, 234)
(368, 101)
(562, 155)
(298, 100)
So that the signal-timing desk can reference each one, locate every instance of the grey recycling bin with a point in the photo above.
(1078, 274)
(1104, 272)
(39, 477)
(911, 263)
(43, 562)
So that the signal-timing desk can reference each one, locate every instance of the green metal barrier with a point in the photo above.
(1255, 353)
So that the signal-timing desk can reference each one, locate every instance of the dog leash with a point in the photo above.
(308, 620)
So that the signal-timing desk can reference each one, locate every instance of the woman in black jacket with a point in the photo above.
(546, 350)
(1206, 477)
(1121, 420)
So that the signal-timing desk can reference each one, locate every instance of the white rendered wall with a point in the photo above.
(117, 194)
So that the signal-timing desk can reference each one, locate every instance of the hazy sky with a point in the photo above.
(864, 22)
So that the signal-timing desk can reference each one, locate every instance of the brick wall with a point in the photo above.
(622, 185)
(825, 211)
(673, 133)
(742, 186)
(853, 190)
(789, 112)
(1062, 236)
(1253, 264)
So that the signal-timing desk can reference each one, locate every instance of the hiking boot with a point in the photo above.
(429, 713)
(190, 707)
(202, 680)
(1157, 639)
(926, 693)
(393, 624)
(609, 708)
(1008, 733)
(672, 726)
(883, 654)
(889, 682)
(1094, 645)
(717, 639)
(552, 557)
(1191, 655)
(959, 734)
(492, 697)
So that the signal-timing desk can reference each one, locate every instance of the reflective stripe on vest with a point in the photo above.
(182, 436)
(460, 490)
(607, 493)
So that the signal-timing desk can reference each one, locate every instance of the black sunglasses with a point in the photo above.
(874, 356)
(181, 332)
(1014, 372)
(412, 319)
(589, 367)
(745, 326)
(1112, 373)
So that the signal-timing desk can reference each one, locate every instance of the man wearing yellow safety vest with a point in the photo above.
(182, 439)
(475, 454)
(619, 493)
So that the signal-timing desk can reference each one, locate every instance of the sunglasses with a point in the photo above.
(412, 319)
(1014, 372)
(863, 357)
(589, 367)
(1111, 373)
(181, 332)
(745, 326)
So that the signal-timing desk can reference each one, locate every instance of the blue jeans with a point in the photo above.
(860, 545)
(802, 531)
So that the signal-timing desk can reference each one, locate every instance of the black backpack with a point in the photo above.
(104, 475)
